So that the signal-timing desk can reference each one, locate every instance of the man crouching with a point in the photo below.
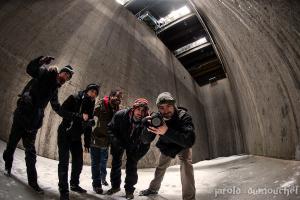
(126, 129)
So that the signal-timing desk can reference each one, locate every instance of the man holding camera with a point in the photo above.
(104, 111)
(29, 114)
(126, 130)
(176, 137)
(69, 138)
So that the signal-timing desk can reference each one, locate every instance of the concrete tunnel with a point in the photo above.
(253, 109)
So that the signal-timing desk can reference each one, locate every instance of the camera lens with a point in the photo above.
(156, 121)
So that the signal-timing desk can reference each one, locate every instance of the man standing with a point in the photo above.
(28, 116)
(104, 111)
(176, 138)
(69, 138)
(126, 130)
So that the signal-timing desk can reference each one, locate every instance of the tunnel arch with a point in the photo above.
(261, 93)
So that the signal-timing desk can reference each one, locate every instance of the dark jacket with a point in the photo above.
(104, 112)
(75, 127)
(42, 88)
(128, 134)
(180, 134)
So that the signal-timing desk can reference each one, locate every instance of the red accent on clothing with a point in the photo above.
(106, 102)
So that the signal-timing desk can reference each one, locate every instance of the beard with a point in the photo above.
(137, 119)
(167, 116)
(115, 104)
(61, 80)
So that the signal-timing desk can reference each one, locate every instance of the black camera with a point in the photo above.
(89, 123)
(155, 120)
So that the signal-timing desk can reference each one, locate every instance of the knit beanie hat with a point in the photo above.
(165, 97)
(93, 86)
(67, 69)
(140, 102)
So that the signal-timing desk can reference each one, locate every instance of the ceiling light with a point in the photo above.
(176, 14)
(122, 2)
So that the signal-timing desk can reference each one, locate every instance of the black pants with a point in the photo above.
(28, 138)
(65, 146)
(131, 168)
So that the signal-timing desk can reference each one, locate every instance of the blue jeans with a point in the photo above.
(99, 160)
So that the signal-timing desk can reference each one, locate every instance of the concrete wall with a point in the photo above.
(224, 135)
(106, 44)
(259, 42)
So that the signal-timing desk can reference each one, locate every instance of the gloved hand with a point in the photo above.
(114, 141)
(53, 69)
(116, 145)
(91, 123)
(87, 146)
(88, 124)
(86, 150)
(46, 60)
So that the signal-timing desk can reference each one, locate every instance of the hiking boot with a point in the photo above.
(112, 191)
(8, 164)
(104, 182)
(77, 188)
(98, 190)
(7, 172)
(147, 192)
(36, 188)
(64, 196)
(129, 195)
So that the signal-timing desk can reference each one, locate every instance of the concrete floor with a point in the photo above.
(235, 177)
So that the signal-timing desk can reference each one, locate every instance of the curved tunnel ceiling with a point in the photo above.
(179, 28)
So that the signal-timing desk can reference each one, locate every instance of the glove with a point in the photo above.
(87, 145)
(91, 123)
(116, 146)
(114, 141)
(46, 60)
(88, 124)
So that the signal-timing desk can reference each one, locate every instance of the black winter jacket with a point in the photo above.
(180, 134)
(42, 88)
(128, 134)
(75, 127)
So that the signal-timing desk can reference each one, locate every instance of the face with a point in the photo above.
(139, 113)
(167, 110)
(115, 100)
(63, 77)
(92, 94)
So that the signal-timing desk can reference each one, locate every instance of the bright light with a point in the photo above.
(122, 2)
(175, 15)
(191, 45)
(181, 11)
(201, 41)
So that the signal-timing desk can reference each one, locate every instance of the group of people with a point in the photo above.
(103, 125)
